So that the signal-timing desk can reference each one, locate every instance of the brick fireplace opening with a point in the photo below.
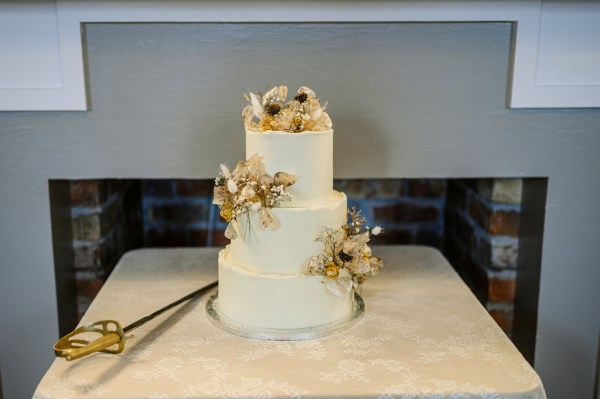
(490, 229)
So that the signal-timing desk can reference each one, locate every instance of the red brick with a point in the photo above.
(501, 290)
(495, 222)
(88, 192)
(504, 223)
(405, 213)
(195, 188)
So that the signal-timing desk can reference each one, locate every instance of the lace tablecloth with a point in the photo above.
(423, 335)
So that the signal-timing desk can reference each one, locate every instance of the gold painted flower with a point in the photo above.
(331, 271)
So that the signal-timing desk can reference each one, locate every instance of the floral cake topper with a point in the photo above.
(269, 112)
(250, 188)
(346, 261)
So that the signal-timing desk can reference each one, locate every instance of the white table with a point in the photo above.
(423, 335)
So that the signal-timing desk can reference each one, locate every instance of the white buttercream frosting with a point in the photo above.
(276, 301)
(262, 273)
(309, 155)
(287, 249)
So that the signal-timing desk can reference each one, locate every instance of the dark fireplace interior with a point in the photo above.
(490, 229)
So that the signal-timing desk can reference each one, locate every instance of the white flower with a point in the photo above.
(257, 106)
(231, 186)
(255, 206)
(377, 230)
(225, 171)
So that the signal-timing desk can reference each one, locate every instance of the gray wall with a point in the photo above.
(407, 100)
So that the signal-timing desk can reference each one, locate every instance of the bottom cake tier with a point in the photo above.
(277, 301)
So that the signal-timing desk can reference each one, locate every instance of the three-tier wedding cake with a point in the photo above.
(296, 252)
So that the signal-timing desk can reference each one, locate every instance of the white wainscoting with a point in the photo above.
(556, 62)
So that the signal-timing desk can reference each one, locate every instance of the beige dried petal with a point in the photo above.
(239, 169)
(266, 220)
(271, 93)
(282, 93)
(247, 115)
(326, 120)
(315, 265)
(315, 109)
(365, 251)
(219, 195)
(264, 179)
(309, 92)
(376, 265)
(360, 266)
(284, 179)
(349, 248)
(230, 232)
(324, 123)
(254, 162)
(280, 124)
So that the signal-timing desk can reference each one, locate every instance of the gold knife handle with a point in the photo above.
(78, 344)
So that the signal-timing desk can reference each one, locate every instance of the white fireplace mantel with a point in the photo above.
(555, 64)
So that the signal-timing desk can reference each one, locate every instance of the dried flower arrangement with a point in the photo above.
(269, 112)
(250, 188)
(346, 260)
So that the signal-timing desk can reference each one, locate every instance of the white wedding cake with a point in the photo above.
(294, 256)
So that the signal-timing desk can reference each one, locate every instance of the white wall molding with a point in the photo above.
(534, 68)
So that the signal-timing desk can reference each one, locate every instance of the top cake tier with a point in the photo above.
(308, 155)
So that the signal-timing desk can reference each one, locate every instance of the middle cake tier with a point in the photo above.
(288, 248)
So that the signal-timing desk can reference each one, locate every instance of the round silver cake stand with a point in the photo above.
(219, 320)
